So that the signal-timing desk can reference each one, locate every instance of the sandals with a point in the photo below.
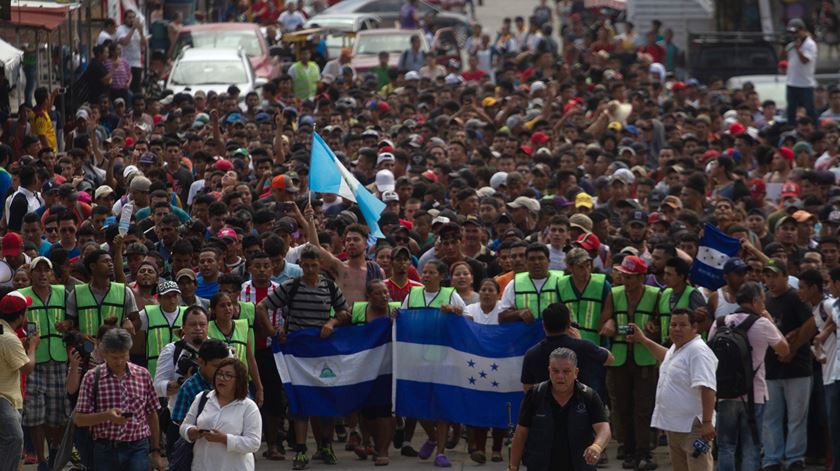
(478, 456)
(381, 461)
(274, 455)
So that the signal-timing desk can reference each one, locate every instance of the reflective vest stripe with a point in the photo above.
(45, 315)
(527, 297)
(417, 298)
(585, 306)
(238, 338)
(91, 314)
(643, 313)
(159, 333)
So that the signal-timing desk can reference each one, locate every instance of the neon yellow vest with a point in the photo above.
(305, 84)
(644, 313)
(358, 316)
(45, 316)
(247, 311)
(585, 308)
(665, 308)
(159, 333)
(91, 314)
(526, 296)
(238, 338)
(417, 300)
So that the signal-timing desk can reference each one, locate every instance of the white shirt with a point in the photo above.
(103, 36)
(830, 369)
(290, 21)
(480, 317)
(556, 258)
(165, 372)
(170, 318)
(681, 375)
(509, 296)
(835, 375)
(33, 201)
(242, 423)
(799, 74)
(130, 51)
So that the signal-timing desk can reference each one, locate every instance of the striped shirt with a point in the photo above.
(120, 73)
(248, 294)
(307, 306)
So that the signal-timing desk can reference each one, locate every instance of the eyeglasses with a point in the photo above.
(52, 229)
(225, 376)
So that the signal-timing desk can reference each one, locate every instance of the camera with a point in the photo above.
(700, 447)
(625, 330)
(79, 342)
(187, 363)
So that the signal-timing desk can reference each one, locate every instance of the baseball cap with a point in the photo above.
(735, 265)
(140, 183)
(583, 199)
(385, 157)
(66, 190)
(672, 201)
(35, 261)
(588, 241)
(385, 180)
(498, 179)
(632, 265)
(581, 221)
(103, 190)
(283, 182)
(14, 302)
(577, 256)
(388, 196)
(12, 244)
(757, 187)
(223, 165)
(638, 217)
(165, 287)
(776, 265)
(226, 232)
(524, 202)
(49, 186)
(790, 189)
(185, 272)
(795, 24)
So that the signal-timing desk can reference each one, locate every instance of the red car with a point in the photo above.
(228, 35)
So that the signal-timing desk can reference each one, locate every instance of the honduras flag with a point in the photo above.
(338, 375)
(715, 249)
(328, 175)
(449, 368)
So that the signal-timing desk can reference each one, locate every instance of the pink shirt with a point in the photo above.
(762, 334)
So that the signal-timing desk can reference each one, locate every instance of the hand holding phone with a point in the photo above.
(31, 329)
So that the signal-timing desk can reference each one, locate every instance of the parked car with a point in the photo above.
(341, 29)
(213, 70)
(246, 36)
(389, 12)
(725, 55)
(370, 43)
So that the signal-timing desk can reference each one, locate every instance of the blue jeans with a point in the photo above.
(11, 437)
(791, 395)
(799, 96)
(832, 405)
(31, 73)
(134, 457)
(733, 428)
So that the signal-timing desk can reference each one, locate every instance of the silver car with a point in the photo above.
(213, 69)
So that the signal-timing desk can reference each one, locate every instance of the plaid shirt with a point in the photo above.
(186, 394)
(133, 392)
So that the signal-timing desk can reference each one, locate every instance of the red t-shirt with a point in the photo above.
(398, 293)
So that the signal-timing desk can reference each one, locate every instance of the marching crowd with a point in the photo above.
(155, 247)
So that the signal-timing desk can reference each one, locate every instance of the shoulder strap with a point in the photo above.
(201, 403)
(720, 322)
(291, 294)
(745, 325)
(823, 314)
(96, 373)
(179, 347)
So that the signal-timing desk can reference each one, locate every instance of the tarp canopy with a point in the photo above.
(41, 15)
(614, 4)
(11, 58)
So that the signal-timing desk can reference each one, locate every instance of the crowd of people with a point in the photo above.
(154, 249)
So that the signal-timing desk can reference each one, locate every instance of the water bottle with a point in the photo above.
(125, 218)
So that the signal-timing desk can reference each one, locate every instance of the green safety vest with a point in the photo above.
(91, 315)
(665, 308)
(417, 300)
(45, 316)
(585, 307)
(238, 340)
(644, 312)
(358, 316)
(526, 295)
(305, 84)
(159, 333)
(247, 311)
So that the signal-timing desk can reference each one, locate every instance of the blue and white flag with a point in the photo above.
(448, 368)
(715, 249)
(328, 175)
(338, 375)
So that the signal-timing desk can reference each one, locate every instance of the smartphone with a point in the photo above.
(127, 415)
(204, 430)
(31, 329)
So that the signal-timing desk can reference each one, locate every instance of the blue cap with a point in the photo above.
(262, 117)
(234, 118)
(49, 186)
(735, 265)
(307, 120)
(632, 129)
(692, 82)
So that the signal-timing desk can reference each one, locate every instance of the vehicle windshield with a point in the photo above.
(376, 43)
(227, 39)
(209, 73)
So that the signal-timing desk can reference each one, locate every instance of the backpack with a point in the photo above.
(732, 348)
(182, 451)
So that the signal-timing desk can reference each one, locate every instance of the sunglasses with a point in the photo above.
(52, 229)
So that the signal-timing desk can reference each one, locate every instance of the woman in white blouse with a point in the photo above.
(486, 310)
(228, 431)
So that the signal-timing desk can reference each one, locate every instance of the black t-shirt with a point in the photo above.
(95, 73)
(591, 359)
(789, 312)
(561, 456)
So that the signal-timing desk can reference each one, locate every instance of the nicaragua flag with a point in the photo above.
(328, 175)
(338, 375)
(449, 368)
(715, 249)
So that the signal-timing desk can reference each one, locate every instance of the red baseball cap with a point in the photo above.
(656, 217)
(790, 189)
(283, 182)
(14, 302)
(757, 186)
(12, 244)
(430, 175)
(589, 242)
(710, 154)
(736, 129)
(528, 150)
(226, 232)
(632, 265)
(539, 138)
(223, 165)
(787, 153)
(677, 86)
